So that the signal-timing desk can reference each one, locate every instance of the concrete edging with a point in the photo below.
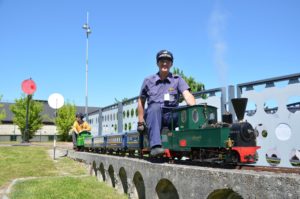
(148, 180)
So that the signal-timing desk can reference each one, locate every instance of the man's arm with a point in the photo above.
(87, 127)
(189, 98)
(75, 128)
(141, 109)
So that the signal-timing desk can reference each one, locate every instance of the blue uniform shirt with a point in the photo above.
(154, 89)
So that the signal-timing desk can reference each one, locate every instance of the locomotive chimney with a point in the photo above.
(239, 105)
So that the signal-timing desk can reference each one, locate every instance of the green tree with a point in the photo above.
(2, 112)
(35, 119)
(123, 100)
(195, 86)
(65, 119)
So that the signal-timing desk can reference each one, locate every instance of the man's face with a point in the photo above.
(164, 65)
(78, 119)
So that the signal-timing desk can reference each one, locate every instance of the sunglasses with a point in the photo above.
(164, 61)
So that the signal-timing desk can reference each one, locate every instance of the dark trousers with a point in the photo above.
(156, 118)
(74, 138)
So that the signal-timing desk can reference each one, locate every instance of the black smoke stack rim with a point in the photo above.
(239, 105)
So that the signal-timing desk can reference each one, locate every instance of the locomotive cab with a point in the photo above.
(81, 139)
(193, 117)
(196, 129)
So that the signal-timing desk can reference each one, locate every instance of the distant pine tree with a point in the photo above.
(195, 86)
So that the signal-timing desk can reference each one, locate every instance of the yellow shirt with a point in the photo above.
(81, 127)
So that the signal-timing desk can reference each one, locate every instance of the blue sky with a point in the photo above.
(219, 43)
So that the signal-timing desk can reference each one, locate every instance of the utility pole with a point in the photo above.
(88, 31)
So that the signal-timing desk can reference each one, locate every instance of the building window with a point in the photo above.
(50, 137)
(129, 126)
(13, 138)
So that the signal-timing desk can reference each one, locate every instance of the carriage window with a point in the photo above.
(212, 116)
(195, 115)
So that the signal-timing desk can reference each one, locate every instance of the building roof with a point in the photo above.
(47, 110)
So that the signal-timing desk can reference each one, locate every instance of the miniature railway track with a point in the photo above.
(237, 167)
(269, 169)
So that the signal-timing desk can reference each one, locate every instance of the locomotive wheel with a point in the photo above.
(179, 157)
(123, 153)
(110, 151)
(233, 157)
(131, 153)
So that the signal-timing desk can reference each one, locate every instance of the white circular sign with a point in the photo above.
(283, 132)
(56, 100)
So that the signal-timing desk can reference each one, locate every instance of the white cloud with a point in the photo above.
(217, 26)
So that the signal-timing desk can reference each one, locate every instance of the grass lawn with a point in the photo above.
(57, 179)
(24, 161)
(65, 187)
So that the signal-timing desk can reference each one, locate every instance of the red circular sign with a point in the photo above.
(28, 86)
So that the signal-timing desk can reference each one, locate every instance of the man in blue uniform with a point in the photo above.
(161, 91)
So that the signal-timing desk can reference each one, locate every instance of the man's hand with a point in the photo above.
(141, 127)
(189, 98)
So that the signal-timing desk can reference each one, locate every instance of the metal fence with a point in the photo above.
(274, 110)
